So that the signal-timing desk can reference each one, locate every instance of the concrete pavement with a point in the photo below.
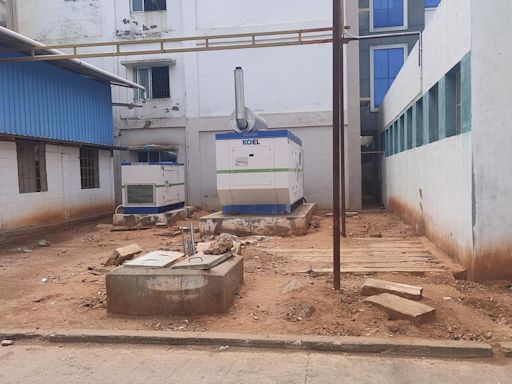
(42, 363)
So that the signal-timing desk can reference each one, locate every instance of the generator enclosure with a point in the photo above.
(259, 172)
(152, 188)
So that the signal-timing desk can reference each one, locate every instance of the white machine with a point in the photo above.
(153, 188)
(259, 172)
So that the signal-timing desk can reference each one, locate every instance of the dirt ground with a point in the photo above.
(63, 286)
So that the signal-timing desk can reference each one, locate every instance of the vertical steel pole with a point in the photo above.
(342, 120)
(336, 67)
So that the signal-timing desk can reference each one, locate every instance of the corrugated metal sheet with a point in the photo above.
(41, 100)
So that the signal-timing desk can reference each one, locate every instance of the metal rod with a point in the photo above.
(336, 66)
(342, 120)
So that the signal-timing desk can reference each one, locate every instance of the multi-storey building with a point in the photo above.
(380, 61)
(190, 95)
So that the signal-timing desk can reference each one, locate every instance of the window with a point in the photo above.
(433, 114)
(148, 5)
(419, 123)
(156, 157)
(402, 133)
(31, 167)
(409, 129)
(89, 170)
(432, 3)
(458, 102)
(386, 63)
(388, 15)
(155, 80)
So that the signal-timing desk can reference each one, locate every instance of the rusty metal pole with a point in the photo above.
(342, 120)
(336, 114)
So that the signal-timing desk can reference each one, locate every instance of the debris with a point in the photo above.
(292, 285)
(120, 255)
(104, 226)
(237, 250)
(351, 214)
(22, 250)
(447, 298)
(43, 243)
(373, 287)
(223, 348)
(44, 280)
(128, 229)
(376, 235)
(314, 224)
(400, 308)
(330, 214)
(300, 312)
(220, 246)
(7, 343)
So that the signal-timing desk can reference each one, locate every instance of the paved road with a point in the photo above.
(43, 364)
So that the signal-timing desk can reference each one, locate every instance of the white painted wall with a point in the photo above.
(431, 186)
(492, 137)
(64, 199)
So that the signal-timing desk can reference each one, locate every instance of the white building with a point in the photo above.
(56, 144)
(192, 94)
(447, 135)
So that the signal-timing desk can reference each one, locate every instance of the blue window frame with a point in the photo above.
(386, 64)
(432, 3)
(388, 14)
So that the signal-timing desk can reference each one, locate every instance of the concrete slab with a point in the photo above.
(173, 292)
(400, 308)
(202, 261)
(166, 218)
(294, 224)
(156, 259)
(373, 287)
(120, 255)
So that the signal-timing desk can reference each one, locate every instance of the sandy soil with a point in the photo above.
(63, 286)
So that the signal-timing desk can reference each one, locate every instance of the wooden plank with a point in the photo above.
(400, 308)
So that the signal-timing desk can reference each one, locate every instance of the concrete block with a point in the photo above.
(506, 347)
(202, 261)
(156, 259)
(294, 224)
(120, 255)
(400, 308)
(173, 292)
(373, 287)
(166, 218)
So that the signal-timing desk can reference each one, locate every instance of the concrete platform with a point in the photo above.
(294, 224)
(173, 292)
(166, 218)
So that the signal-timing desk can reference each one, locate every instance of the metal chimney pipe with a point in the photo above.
(240, 111)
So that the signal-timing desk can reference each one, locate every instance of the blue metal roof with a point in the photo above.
(259, 134)
(45, 101)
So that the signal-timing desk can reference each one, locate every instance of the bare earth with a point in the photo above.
(63, 285)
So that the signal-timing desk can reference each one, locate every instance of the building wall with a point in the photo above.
(64, 199)
(290, 86)
(492, 138)
(430, 185)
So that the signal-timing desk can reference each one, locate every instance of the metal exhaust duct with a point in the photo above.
(243, 119)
